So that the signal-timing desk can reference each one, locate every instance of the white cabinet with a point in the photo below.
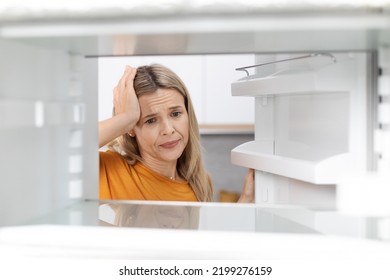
(221, 108)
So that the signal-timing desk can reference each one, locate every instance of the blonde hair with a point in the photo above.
(149, 79)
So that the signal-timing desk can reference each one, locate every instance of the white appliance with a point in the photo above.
(322, 128)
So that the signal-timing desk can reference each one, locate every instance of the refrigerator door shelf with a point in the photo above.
(325, 171)
(289, 83)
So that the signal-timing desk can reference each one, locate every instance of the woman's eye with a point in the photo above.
(150, 121)
(176, 114)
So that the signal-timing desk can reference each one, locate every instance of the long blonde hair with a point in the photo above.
(149, 79)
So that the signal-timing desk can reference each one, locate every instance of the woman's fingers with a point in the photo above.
(126, 80)
(124, 93)
(123, 79)
(130, 75)
(248, 192)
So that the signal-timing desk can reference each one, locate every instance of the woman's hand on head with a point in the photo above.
(125, 99)
(126, 109)
(248, 191)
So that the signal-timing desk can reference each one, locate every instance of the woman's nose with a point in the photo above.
(167, 128)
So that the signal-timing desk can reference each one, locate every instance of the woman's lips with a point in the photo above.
(170, 144)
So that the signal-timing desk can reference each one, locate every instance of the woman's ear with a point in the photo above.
(131, 133)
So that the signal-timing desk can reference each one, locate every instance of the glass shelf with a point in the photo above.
(206, 216)
(180, 230)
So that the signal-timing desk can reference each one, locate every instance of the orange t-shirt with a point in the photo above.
(122, 181)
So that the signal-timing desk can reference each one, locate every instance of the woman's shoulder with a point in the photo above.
(113, 162)
(110, 156)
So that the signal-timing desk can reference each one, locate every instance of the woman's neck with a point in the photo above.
(166, 169)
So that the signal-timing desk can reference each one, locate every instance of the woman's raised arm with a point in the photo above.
(126, 109)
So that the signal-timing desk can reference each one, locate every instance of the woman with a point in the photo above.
(154, 144)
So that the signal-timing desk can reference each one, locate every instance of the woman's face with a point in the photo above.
(162, 130)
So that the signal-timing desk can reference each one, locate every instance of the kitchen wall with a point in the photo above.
(223, 174)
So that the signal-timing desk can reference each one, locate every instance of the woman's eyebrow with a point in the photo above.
(152, 115)
(176, 107)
